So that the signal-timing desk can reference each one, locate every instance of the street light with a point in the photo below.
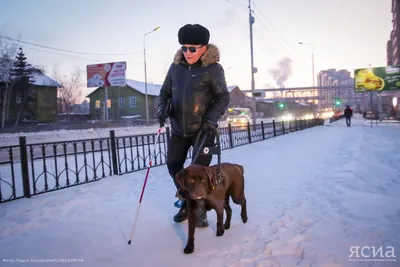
(313, 68)
(145, 73)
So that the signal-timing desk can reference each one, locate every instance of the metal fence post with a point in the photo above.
(274, 127)
(249, 131)
(295, 124)
(262, 130)
(283, 127)
(114, 152)
(230, 135)
(24, 166)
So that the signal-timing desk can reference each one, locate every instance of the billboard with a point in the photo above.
(377, 79)
(106, 74)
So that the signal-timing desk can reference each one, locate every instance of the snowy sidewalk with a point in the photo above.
(311, 196)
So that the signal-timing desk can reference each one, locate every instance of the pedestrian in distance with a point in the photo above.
(348, 113)
(194, 96)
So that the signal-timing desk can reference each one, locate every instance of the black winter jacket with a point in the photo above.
(348, 112)
(198, 92)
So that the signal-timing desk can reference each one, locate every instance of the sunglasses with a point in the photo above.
(191, 49)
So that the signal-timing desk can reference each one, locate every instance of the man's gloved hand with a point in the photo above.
(209, 125)
(161, 118)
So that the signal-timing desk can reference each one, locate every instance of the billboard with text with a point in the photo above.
(106, 74)
(377, 79)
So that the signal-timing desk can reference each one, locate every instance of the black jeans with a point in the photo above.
(348, 121)
(178, 148)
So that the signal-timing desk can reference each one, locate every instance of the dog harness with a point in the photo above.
(215, 149)
(218, 181)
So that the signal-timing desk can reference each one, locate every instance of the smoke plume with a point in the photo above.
(282, 72)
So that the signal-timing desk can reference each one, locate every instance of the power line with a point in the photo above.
(277, 32)
(283, 44)
(55, 53)
(235, 3)
(64, 50)
(65, 55)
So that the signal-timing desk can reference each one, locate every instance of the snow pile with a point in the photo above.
(312, 196)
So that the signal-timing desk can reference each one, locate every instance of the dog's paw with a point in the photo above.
(244, 218)
(220, 231)
(227, 226)
(188, 249)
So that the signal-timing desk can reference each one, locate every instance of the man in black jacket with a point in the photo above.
(348, 113)
(195, 84)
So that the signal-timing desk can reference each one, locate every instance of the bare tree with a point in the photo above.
(8, 51)
(70, 90)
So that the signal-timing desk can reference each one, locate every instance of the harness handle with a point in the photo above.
(215, 149)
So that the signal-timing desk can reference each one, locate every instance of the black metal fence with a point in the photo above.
(336, 118)
(32, 169)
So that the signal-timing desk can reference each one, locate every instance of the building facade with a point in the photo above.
(393, 44)
(43, 106)
(333, 77)
(125, 101)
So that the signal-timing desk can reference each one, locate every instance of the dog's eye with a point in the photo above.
(191, 181)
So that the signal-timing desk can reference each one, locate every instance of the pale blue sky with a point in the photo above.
(347, 34)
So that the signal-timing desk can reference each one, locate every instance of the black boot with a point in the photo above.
(182, 214)
(201, 219)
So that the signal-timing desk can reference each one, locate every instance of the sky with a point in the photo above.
(346, 34)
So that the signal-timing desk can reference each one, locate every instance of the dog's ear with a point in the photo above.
(210, 175)
(179, 177)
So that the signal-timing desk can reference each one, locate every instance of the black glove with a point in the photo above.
(209, 125)
(161, 118)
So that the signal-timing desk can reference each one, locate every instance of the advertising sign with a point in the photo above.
(377, 79)
(106, 74)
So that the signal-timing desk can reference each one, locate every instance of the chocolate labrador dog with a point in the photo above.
(199, 184)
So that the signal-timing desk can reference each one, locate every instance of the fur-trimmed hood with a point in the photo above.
(211, 56)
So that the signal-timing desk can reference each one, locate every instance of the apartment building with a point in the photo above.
(333, 77)
(393, 44)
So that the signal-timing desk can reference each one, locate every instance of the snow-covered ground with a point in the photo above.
(313, 196)
(64, 135)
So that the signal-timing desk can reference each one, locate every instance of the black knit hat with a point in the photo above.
(194, 34)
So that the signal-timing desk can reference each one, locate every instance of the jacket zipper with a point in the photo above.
(183, 102)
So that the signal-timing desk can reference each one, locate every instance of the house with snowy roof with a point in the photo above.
(44, 107)
(125, 101)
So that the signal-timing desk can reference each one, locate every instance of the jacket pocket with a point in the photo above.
(200, 82)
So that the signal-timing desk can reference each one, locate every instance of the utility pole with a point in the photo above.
(105, 104)
(313, 73)
(253, 70)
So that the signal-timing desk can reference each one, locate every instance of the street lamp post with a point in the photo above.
(145, 73)
(313, 69)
